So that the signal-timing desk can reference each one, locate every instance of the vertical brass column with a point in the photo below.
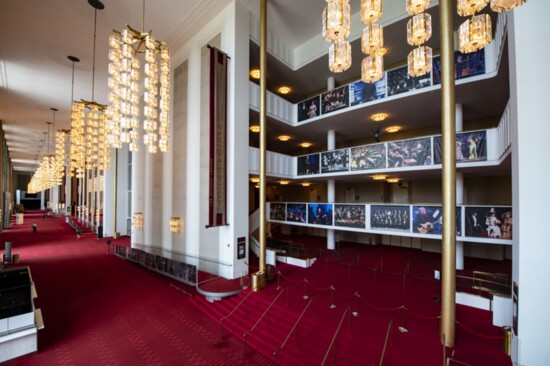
(263, 73)
(448, 255)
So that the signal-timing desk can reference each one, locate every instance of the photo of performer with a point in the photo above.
(335, 99)
(362, 92)
(277, 211)
(493, 225)
(296, 212)
(399, 81)
(427, 220)
(320, 213)
(368, 157)
(409, 153)
(349, 215)
(466, 65)
(308, 109)
(390, 217)
(335, 161)
(308, 164)
(489, 222)
(470, 146)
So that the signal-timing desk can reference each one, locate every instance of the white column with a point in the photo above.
(42, 207)
(330, 83)
(459, 119)
(148, 211)
(108, 198)
(193, 151)
(138, 203)
(529, 79)
(331, 189)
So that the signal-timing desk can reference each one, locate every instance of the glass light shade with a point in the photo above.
(419, 61)
(372, 69)
(255, 128)
(419, 29)
(372, 39)
(371, 11)
(379, 177)
(175, 225)
(475, 33)
(416, 6)
(336, 20)
(392, 129)
(339, 56)
(505, 5)
(466, 8)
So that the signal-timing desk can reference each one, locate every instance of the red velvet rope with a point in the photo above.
(421, 316)
(316, 288)
(479, 335)
(381, 309)
(288, 279)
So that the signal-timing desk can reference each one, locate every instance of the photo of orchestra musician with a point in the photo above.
(319, 213)
(349, 215)
(335, 99)
(390, 217)
(296, 212)
(489, 222)
(335, 161)
(362, 92)
(368, 157)
(410, 153)
(429, 220)
(277, 211)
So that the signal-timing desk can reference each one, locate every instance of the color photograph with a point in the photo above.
(466, 65)
(277, 211)
(335, 99)
(308, 164)
(470, 146)
(390, 217)
(296, 212)
(308, 109)
(362, 92)
(429, 220)
(320, 213)
(489, 222)
(349, 216)
(410, 153)
(368, 157)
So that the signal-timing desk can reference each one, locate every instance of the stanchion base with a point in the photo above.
(332, 306)
(355, 313)
(278, 288)
(436, 299)
(305, 297)
(403, 329)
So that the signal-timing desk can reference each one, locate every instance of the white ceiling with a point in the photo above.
(36, 36)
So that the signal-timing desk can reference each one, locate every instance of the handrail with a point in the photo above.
(385, 343)
(335, 335)
(292, 330)
(456, 361)
(500, 275)
(235, 309)
(261, 317)
(505, 288)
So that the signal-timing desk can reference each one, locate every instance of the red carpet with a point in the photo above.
(101, 310)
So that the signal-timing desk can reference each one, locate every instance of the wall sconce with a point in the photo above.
(137, 221)
(175, 225)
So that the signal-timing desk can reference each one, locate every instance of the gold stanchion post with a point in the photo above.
(332, 305)
(356, 312)
(305, 297)
(402, 328)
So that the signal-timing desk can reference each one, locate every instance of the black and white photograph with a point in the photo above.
(277, 211)
(335, 99)
(296, 212)
(489, 222)
(470, 146)
(308, 164)
(410, 153)
(335, 161)
(390, 217)
(349, 216)
(309, 108)
(362, 92)
(368, 157)
(320, 213)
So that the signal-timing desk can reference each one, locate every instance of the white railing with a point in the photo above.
(504, 131)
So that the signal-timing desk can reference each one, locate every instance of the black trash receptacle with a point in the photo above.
(100, 232)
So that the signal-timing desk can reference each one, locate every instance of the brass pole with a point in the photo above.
(115, 169)
(263, 72)
(448, 255)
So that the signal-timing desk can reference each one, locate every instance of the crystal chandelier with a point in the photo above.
(124, 84)
(336, 20)
(466, 8)
(372, 68)
(475, 33)
(419, 31)
(339, 56)
(505, 5)
(372, 41)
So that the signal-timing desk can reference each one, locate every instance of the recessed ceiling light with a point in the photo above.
(379, 117)
(392, 180)
(284, 182)
(306, 184)
(393, 129)
(379, 177)
(284, 138)
(305, 145)
(255, 73)
(255, 179)
(255, 128)
(284, 90)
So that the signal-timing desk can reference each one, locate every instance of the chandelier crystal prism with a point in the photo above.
(419, 29)
(466, 8)
(371, 11)
(339, 56)
(336, 20)
(419, 61)
(372, 68)
(475, 33)
(505, 5)
(372, 39)
(415, 7)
